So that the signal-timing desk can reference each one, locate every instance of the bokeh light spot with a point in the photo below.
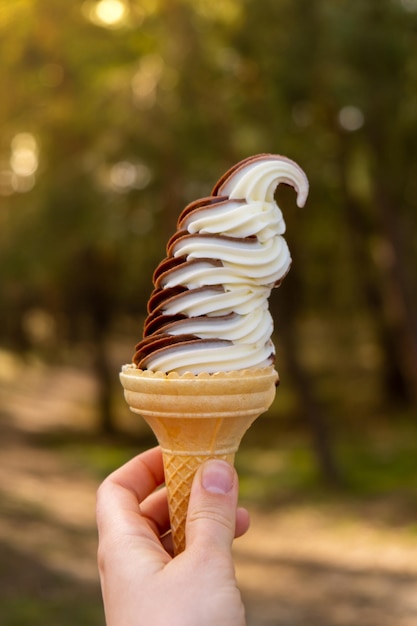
(107, 13)
(24, 162)
(351, 118)
(409, 5)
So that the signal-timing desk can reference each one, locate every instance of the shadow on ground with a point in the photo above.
(32, 593)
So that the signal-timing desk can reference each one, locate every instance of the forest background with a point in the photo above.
(115, 114)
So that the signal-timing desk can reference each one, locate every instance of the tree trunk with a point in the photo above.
(310, 407)
(104, 376)
(381, 273)
(399, 306)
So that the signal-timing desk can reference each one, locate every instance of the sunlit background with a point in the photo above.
(114, 115)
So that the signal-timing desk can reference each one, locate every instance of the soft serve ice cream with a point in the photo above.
(209, 309)
(204, 370)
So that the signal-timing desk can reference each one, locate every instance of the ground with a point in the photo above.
(329, 562)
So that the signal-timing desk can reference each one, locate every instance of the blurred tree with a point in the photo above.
(378, 55)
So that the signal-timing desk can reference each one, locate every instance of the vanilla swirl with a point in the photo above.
(209, 309)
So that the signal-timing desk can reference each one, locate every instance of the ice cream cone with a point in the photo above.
(195, 418)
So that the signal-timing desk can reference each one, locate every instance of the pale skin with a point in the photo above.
(142, 584)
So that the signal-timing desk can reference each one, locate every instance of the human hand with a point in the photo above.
(142, 584)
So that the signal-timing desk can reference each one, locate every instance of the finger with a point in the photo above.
(211, 519)
(155, 509)
(118, 497)
(168, 543)
(242, 522)
(142, 474)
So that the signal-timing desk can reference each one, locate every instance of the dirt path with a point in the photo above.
(332, 564)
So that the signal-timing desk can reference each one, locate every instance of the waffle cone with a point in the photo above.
(195, 418)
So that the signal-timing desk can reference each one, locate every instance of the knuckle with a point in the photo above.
(212, 514)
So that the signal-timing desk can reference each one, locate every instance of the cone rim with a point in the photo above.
(130, 369)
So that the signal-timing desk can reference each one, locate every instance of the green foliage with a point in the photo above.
(30, 611)
(99, 459)
(134, 115)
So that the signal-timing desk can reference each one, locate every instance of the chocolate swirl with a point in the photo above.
(209, 309)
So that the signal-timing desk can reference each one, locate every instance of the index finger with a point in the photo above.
(120, 494)
(142, 474)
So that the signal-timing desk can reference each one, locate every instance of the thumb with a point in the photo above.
(211, 518)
